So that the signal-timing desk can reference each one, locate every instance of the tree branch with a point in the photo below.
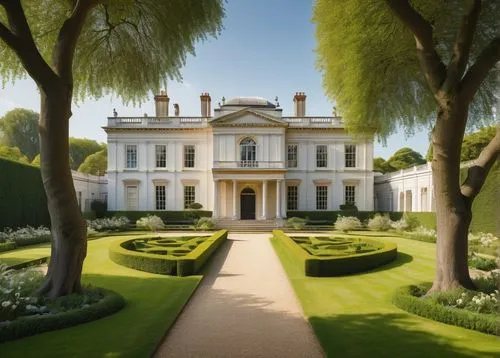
(477, 174)
(462, 46)
(7, 36)
(432, 65)
(479, 70)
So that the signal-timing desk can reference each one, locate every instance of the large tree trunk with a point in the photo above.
(69, 232)
(453, 210)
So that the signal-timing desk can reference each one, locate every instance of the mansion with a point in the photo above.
(244, 161)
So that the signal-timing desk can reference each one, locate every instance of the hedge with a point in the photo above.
(30, 325)
(22, 196)
(7, 246)
(168, 217)
(481, 322)
(336, 266)
(123, 254)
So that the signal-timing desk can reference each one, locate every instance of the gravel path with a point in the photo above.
(244, 307)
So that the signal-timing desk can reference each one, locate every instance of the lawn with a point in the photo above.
(353, 316)
(153, 303)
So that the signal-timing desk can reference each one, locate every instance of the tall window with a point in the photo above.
(322, 197)
(161, 156)
(131, 156)
(189, 154)
(350, 156)
(248, 153)
(292, 197)
(292, 156)
(189, 195)
(160, 197)
(350, 194)
(321, 156)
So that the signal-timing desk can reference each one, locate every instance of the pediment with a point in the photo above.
(247, 117)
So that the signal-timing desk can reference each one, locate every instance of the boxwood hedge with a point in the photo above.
(481, 322)
(30, 325)
(172, 217)
(325, 266)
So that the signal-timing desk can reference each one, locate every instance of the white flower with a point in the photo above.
(6, 303)
(13, 307)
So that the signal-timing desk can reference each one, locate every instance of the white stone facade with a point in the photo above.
(88, 188)
(246, 161)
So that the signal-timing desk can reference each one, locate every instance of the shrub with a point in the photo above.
(400, 225)
(109, 224)
(179, 217)
(412, 221)
(195, 206)
(7, 246)
(151, 223)
(296, 223)
(348, 207)
(27, 235)
(379, 223)
(481, 263)
(421, 234)
(204, 223)
(347, 223)
(99, 208)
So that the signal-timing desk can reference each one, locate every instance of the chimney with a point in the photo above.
(205, 100)
(177, 110)
(300, 104)
(161, 104)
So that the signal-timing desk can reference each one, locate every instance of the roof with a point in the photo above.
(249, 102)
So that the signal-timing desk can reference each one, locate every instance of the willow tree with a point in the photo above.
(82, 48)
(419, 64)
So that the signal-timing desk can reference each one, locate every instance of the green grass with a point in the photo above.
(153, 303)
(353, 316)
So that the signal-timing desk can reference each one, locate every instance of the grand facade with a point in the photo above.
(245, 161)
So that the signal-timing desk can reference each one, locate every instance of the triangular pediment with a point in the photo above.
(248, 117)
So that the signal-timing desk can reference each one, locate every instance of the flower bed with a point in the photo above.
(11, 239)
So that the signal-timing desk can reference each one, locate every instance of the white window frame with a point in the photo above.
(188, 200)
(188, 162)
(292, 155)
(321, 202)
(292, 197)
(129, 161)
(349, 192)
(160, 198)
(158, 154)
(350, 155)
(319, 156)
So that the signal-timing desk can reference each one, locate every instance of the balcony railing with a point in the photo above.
(251, 164)
(158, 122)
(314, 122)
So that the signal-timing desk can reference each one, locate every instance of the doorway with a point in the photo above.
(247, 204)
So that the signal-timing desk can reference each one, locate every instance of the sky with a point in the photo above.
(266, 49)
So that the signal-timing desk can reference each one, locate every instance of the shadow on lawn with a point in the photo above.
(384, 335)
(401, 259)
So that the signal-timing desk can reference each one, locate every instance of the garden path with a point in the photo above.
(244, 307)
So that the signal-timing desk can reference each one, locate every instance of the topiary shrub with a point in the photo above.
(347, 223)
(481, 263)
(99, 208)
(379, 223)
(195, 206)
(412, 221)
(348, 207)
(295, 223)
(151, 223)
(204, 223)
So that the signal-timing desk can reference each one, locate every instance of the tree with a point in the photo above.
(381, 166)
(392, 63)
(80, 149)
(19, 128)
(12, 153)
(405, 158)
(95, 164)
(90, 48)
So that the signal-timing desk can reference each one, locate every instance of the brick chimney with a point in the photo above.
(205, 100)
(299, 101)
(161, 104)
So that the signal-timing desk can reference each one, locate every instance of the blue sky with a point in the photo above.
(266, 49)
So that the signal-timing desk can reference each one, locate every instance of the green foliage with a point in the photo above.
(19, 128)
(81, 148)
(409, 298)
(204, 223)
(194, 261)
(368, 59)
(13, 153)
(381, 166)
(405, 158)
(151, 223)
(323, 266)
(22, 197)
(349, 208)
(195, 206)
(36, 160)
(347, 223)
(481, 263)
(295, 223)
(7, 246)
(170, 217)
(95, 164)
(379, 223)
(98, 208)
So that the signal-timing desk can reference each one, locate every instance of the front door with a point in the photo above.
(247, 204)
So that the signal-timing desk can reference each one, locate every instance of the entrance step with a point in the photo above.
(249, 225)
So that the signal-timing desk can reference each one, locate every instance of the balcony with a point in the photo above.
(313, 122)
(248, 164)
(158, 122)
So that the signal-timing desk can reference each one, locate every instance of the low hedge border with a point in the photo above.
(30, 325)
(337, 266)
(481, 322)
(34, 262)
(121, 253)
(178, 217)
(7, 246)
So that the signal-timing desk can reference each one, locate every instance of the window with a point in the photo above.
(131, 153)
(292, 197)
(189, 195)
(132, 197)
(160, 197)
(350, 156)
(161, 156)
(248, 153)
(350, 194)
(189, 156)
(321, 156)
(321, 197)
(292, 156)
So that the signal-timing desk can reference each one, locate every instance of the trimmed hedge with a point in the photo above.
(123, 253)
(455, 316)
(30, 325)
(178, 217)
(22, 196)
(336, 266)
(7, 246)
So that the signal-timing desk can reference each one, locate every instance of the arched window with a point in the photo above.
(248, 153)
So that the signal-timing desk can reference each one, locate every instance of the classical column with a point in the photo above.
(278, 199)
(264, 199)
(216, 199)
(235, 216)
